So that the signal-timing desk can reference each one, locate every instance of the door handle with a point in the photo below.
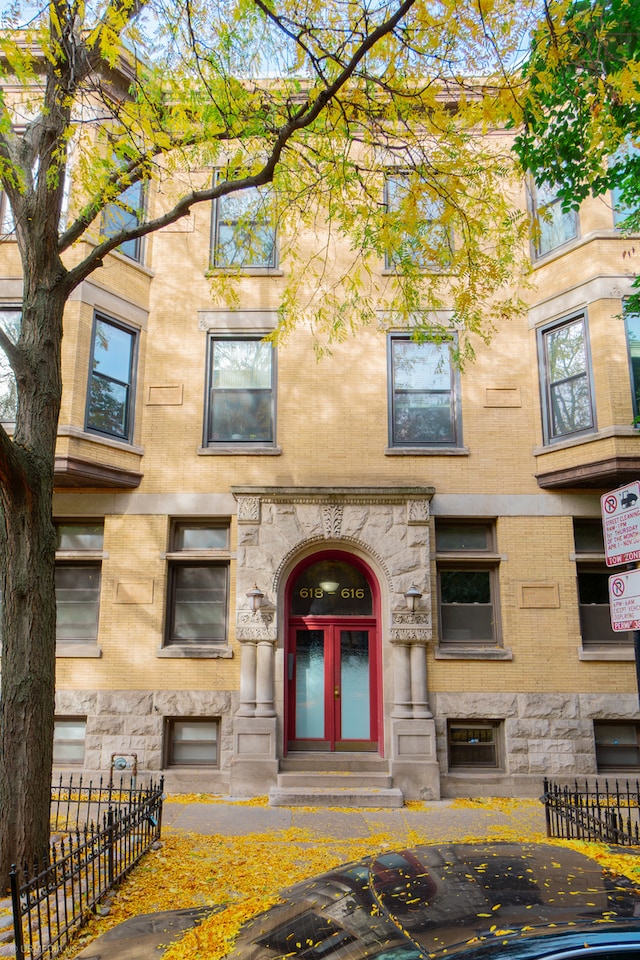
(336, 692)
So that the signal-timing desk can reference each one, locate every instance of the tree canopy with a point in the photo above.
(580, 104)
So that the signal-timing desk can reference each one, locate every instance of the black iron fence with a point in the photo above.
(608, 812)
(54, 896)
(74, 803)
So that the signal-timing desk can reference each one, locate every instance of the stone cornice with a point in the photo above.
(356, 495)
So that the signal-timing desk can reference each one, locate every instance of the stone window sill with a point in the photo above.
(426, 451)
(622, 654)
(473, 653)
(202, 652)
(239, 450)
(78, 650)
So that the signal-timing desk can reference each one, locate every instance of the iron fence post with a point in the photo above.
(17, 916)
(110, 850)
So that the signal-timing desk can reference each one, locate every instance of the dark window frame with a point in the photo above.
(5, 370)
(392, 261)
(455, 406)
(591, 560)
(133, 249)
(634, 361)
(633, 745)
(547, 387)
(169, 761)
(470, 559)
(209, 440)
(126, 436)
(471, 745)
(218, 221)
(80, 558)
(56, 740)
(180, 558)
(541, 244)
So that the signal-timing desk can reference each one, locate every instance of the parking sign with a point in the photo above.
(624, 600)
(621, 524)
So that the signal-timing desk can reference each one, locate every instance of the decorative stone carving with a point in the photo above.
(400, 619)
(417, 511)
(248, 616)
(409, 636)
(256, 634)
(248, 509)
(332, 520)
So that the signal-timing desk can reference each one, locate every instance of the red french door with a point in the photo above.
(332, 684)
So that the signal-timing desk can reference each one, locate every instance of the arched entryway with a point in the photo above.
(333, 695)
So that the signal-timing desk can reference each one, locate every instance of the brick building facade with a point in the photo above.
(273, 568)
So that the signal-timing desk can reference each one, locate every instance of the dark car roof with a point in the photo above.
(443, 901)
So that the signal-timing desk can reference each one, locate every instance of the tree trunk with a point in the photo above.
(27, 558)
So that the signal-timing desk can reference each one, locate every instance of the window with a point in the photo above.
(415, 225)
(241, 392)
(78, 575)
(472, 743)
(617, 745)
(68, 740)
(244, 230)
(467, 583)
(198, 584)
(191, 742)
(423, 394)
(627, 160)
(126, 213)
(632, 327)
(111, 379)
(593, 588)
(10, 318)
(552, 226)
(566, 379)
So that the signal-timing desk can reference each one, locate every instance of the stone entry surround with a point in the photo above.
(388, 528)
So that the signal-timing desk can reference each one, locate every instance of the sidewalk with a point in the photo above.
(436, 821)
(143, 937)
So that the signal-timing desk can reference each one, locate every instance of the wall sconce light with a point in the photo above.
(412, 596)
(256, 596)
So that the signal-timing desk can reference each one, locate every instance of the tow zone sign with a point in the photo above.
(624, 600)
(621, 524)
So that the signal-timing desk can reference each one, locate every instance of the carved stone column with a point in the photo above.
(247, 706)
(264, 680)
(402, 705)
(419, 696)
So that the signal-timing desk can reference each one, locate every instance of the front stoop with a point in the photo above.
(338, 780)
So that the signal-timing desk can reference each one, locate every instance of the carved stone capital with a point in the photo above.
(406, 618)
(256, 635)
(407, 636)
(248, 509)
(417, 512)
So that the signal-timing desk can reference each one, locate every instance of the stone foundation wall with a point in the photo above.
(127, 722)
(542, 735)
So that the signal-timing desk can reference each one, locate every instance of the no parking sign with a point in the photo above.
(624, 600)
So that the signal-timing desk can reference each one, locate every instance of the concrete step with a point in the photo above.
(346, 796)
(334, 762)
(335, 778)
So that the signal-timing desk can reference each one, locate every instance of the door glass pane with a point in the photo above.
(331, 588)
(310, 684)
(354, 685)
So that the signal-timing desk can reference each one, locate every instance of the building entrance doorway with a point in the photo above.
(333, 678)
